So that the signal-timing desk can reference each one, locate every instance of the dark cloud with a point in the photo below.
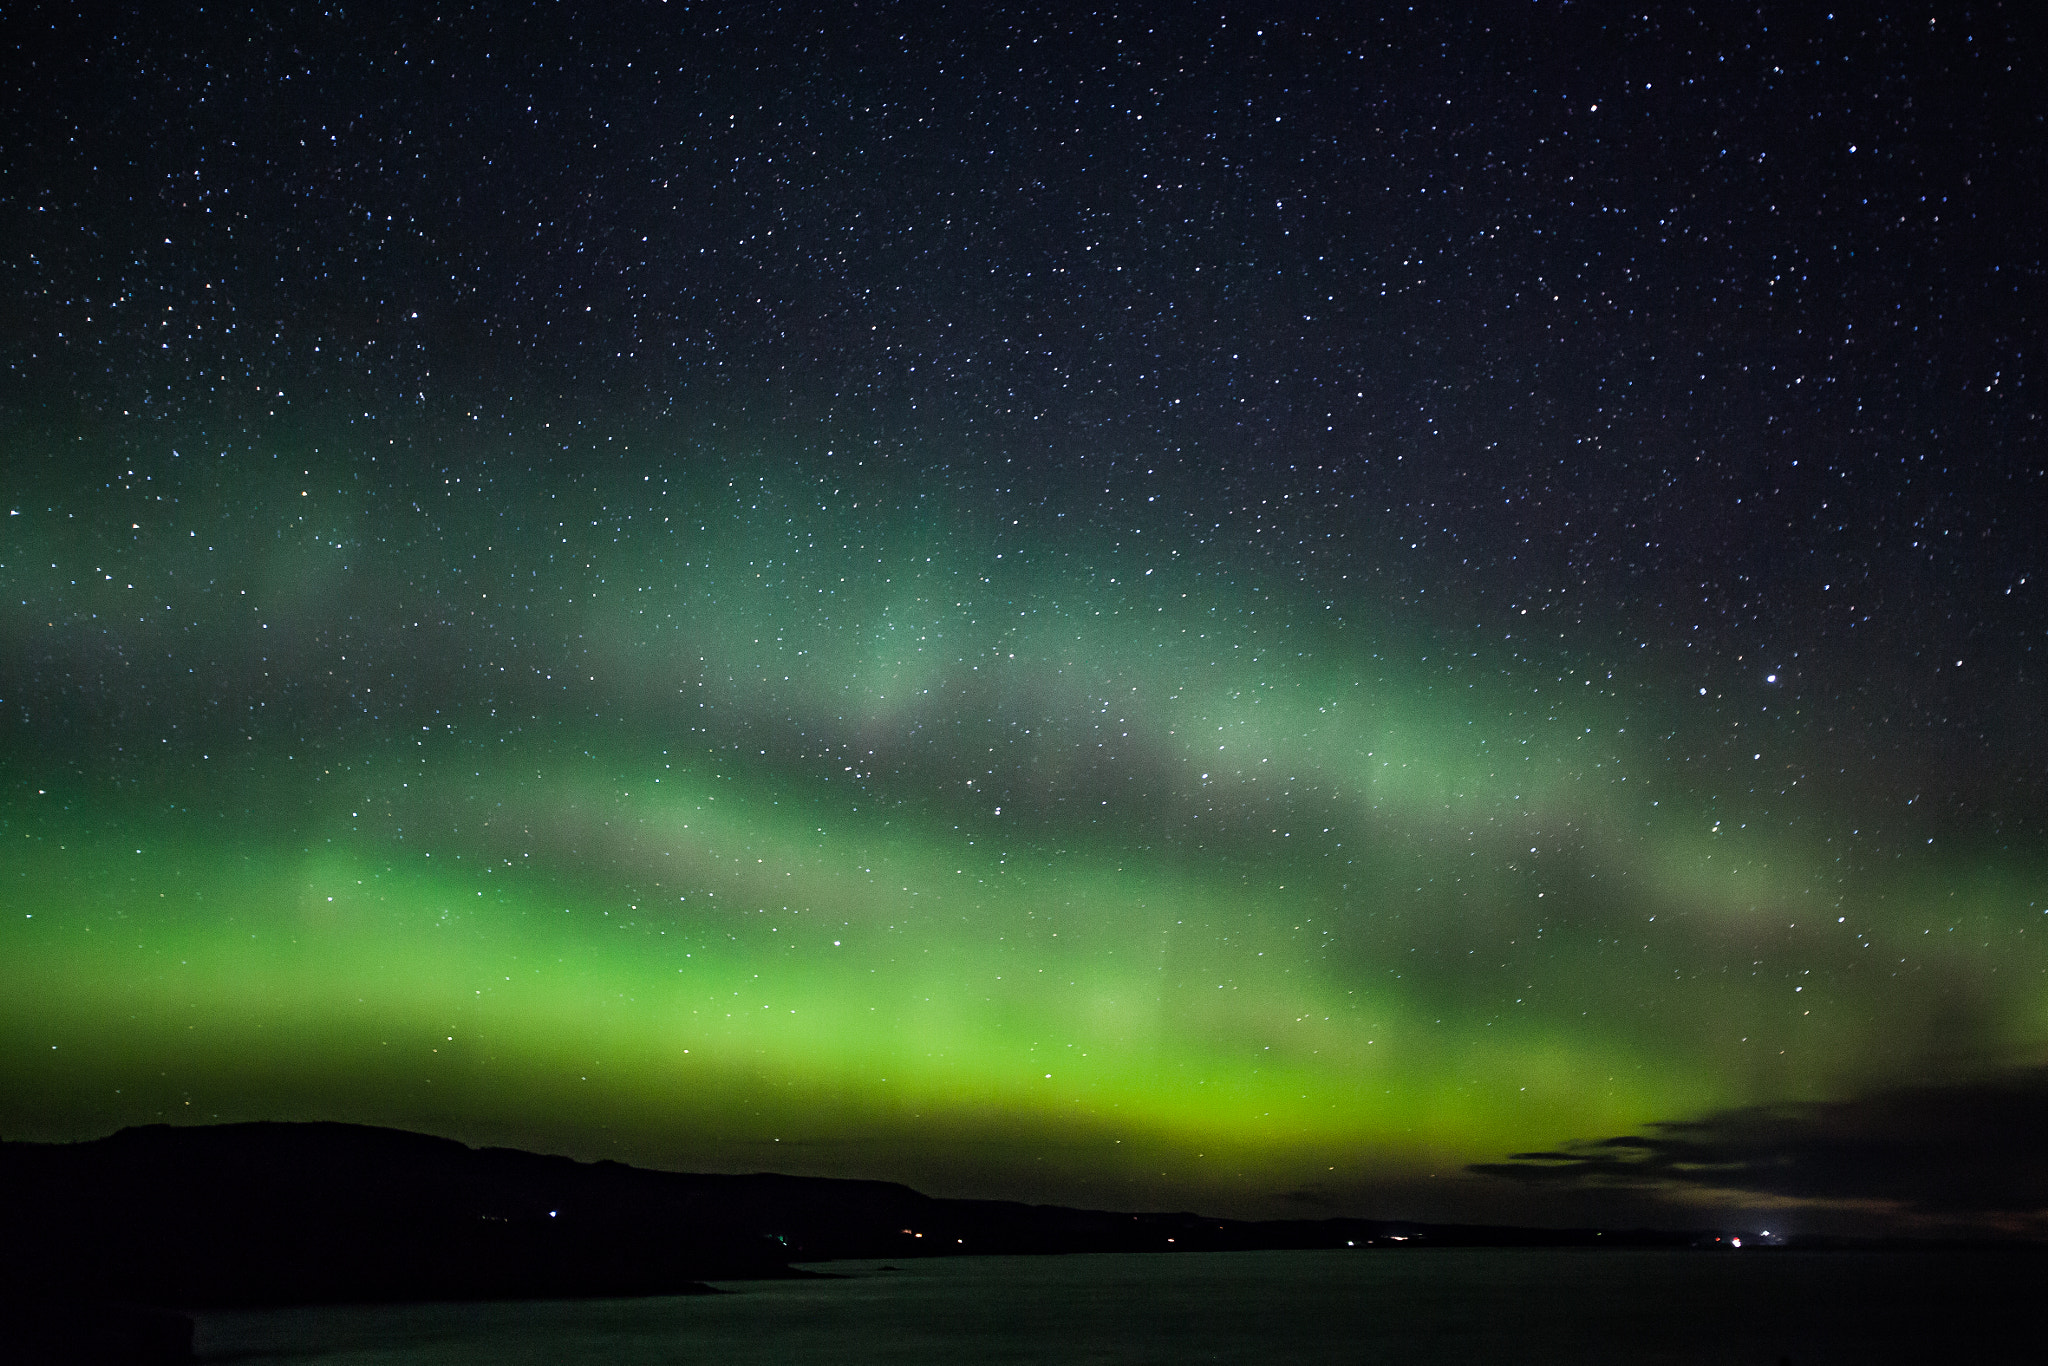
(1969, 1151)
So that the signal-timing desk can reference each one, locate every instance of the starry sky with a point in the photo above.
(1433, 614)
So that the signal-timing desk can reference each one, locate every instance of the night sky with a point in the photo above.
(1186, 608)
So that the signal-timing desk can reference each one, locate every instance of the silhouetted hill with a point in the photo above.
(275, 1213)
(283, 1213)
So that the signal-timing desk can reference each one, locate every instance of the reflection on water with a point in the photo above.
(1267, 1307)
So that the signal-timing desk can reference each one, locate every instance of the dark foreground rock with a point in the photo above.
(60, 1332)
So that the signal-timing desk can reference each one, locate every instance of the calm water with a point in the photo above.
(1265, 1307)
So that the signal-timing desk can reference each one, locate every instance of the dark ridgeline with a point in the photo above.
(295, 1213)
(298, 1213)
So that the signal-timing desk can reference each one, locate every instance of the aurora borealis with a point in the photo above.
(1192, 618)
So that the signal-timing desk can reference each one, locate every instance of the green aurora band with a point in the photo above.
(722, 812)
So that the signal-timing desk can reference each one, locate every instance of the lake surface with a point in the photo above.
(1421, 1306)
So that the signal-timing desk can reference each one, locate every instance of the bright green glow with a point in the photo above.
(719, 834)
(1069, 991)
